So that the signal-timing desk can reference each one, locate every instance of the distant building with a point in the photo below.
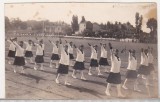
(82, 26)
(56, 29)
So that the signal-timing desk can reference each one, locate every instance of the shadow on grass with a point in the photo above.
(82, 89)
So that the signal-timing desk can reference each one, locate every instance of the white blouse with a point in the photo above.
(28, 46)
(55, 48)
(19, 50)
(39, 50)
(132, 63)
(93, 53)
(103, 52)
(64, 56)
(12, 47)
(150, 58)
(70, 49)
(144, 59)
(115, 64)
(80, 56)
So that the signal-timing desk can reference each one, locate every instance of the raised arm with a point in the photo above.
(89, 44)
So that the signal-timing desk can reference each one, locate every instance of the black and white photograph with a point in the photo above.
(81, 50)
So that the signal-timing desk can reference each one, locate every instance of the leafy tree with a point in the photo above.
(7, 24)
(83, 19)
(152, 25)
(74, 23)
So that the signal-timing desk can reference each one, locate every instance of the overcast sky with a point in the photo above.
(94, 12)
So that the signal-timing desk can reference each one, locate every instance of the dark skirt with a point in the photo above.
(39, 59)
(11, 53)
(28, 54)
(71, 56)
(63, 69)
(114, 78)
(103, 62)
(55, 57)
(131, 74)
(151, 67)
(94, 63)
(79, 66)
(19, 61)
(144, 70)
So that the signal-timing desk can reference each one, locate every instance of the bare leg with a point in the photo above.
(99, 71)
(25, 60)
(57, 81)
(31, 61)
(89, 72)
(107, 89)
(41, 66)
(73, 74)
(66, 80)
(9, 60)
(14, 69)
(136, 86)
(119, 91)
(124, 85)
(22, 69)
(57, 63)
(51, 63)
(82, 75)
(35, 66)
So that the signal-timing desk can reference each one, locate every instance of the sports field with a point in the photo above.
(41, 84)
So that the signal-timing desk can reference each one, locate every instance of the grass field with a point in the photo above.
(41, 85)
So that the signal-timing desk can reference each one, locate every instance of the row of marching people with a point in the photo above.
(66, 57)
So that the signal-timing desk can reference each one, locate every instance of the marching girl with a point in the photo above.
(12, 50)
(19, 60)
(114, 75)
(42, 43)
(131, 73)
(55, 53)
(94, 61)
(63, 64)
(103, 59)
(70, 50)
(79, 64)
(144, 69)
(39, 55)
(28, 53)
(150, 63)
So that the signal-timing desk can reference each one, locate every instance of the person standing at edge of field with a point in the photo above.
(55, 53)
(28, 53)
(131, 73)
(103, 59)
(114, 75)
(39, 55)
(12, 50)
(79, 64)
(63, 64)
(19, 57)
(94, 61)
(150, 63)
(70, 50)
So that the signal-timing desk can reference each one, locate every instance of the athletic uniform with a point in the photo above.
(28, 52)
(39, 54)
(79, 64)
(132, 66)
(12, 49)
(55, 52)
(144, 69)
(64, 61)
(94, 62)
(103, 59)
(70, 50)
(114, 75)
(19, 57)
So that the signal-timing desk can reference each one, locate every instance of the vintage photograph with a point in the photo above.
(81, 50)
